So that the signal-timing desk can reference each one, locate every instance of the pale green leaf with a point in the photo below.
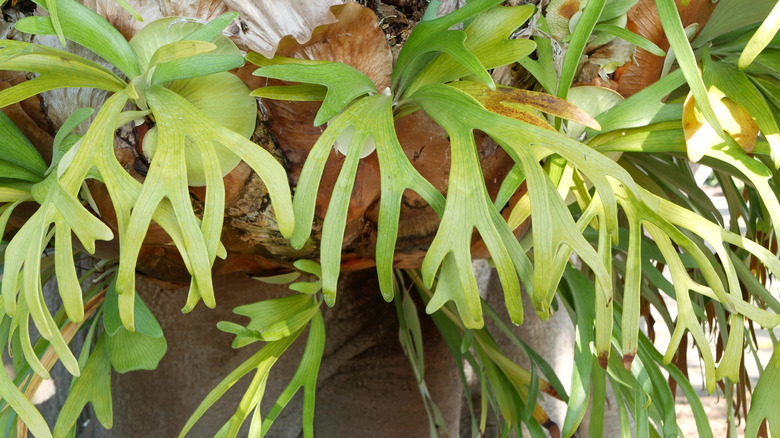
(172, 30)
(543, 69)
(178, 50)
(582, 293)
(84, 26)
(343, 82)
(369, 117)
(645, 107)
(280, 279)
(729, 15)
(181, 126)
(631, 37)
(670, 20)
(420, 48)
(766, 399)
(579, 40)
(56, 69)
(516, 137)
(23, 407)
(487, 38)
(761, 38)
(60, 145)
(271, 320)
(299, 92)
(235, 109)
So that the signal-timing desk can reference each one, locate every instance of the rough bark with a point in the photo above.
(365, 385)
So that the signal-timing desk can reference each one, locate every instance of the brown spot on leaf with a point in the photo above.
(568, 9)
(604, 360)
(628, 359)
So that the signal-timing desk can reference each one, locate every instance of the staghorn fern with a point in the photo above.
(623, 199)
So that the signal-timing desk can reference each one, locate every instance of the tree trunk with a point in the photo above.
(365, 385)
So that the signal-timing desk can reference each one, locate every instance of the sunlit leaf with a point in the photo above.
(56, 69)
(84, 26)
(514, 136)
(23, 407)
(420, 48)
(343, 82)
(766, 399)
(171, 35)
(487, 38)
(182, 126)
(368, 117)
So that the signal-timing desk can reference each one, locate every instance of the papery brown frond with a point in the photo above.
(643, 20)
(262, 24)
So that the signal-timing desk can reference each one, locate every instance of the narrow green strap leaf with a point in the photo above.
(67, 279)
(23, 407)
(18, 150)
(86, 27)
(195, 66)
(213, 28)
(434, 36)
(344, 83)
(673, 28)
(509, 186)
(616, 8)
(604, 307)
(299, 92)
(631, 37)
(432, 10)
(55, 20)
(731, 15)
(543, 69)
(55, 71)
(580, 291)
(178, 50)
(579, 40)
(306, 377)
(265, 357)
(761, 38)
(631, 292)
(126, 6)
(487, 37)
(73, 120)
(766, 399)
(14, 172)
(740, 89)
(645, 107)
